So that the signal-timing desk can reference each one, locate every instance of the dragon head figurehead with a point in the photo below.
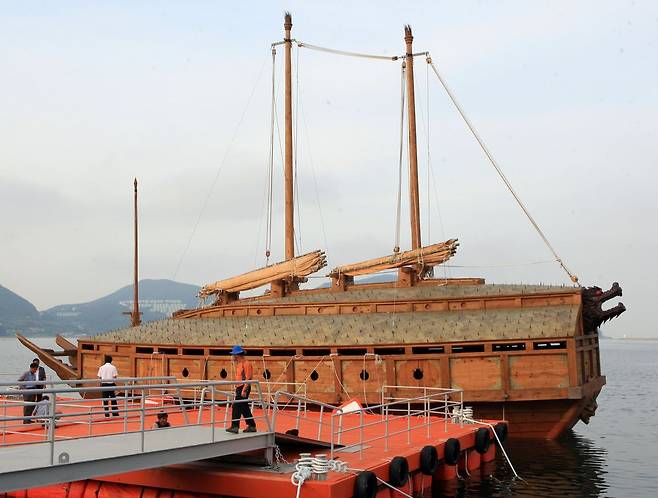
(593, 313)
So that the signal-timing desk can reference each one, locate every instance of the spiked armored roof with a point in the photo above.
(420, 292)
(356, 329)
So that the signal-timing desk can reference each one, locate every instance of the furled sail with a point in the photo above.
(425, 256)
(298, 267)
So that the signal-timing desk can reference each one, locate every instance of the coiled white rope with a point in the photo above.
(302, 471)
(308, 466)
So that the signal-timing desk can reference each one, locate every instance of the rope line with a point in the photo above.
(219, 170)
(502, 176)
(298, 231)
(315, 183)
(268, 236)
(500, 444)
(508, 265)
(347, 53)
(398, 207)
(427, 108)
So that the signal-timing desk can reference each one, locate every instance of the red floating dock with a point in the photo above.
(368, 442)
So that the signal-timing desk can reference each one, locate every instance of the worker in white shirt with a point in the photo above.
(107, 373)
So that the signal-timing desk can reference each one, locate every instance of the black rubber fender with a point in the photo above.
(293, 432)
(398, 471)
(501, 431)
(451, 451)
(365, 485)
(482, 440)
(429, 460)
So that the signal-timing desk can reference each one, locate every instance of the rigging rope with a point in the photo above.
(315, 181)
(345, 52)
(270, 171)
(398, 209)
(298, 231)
(427, 104)
(219, 170)
(502, 176)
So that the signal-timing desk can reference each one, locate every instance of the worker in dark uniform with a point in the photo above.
(243, 371)
(41, 375)
(29, 400)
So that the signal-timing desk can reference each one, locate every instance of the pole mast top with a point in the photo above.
(288, 164)
(414, 201)
(408, 37)
(135, 314)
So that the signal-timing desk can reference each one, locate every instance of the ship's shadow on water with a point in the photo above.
(572, 466)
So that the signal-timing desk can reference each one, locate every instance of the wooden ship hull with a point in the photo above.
(527, 354)
(520, 353)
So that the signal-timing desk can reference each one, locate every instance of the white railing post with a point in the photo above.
(361, 435)
(141, 419)
(229, 396)
(4, 423)
(51, 427)
(427, 412)
(275, 409)
(385, 413)
(409, 422)
(320, 424)
(299, 410)
(180, 402)
(331, 436)
(340, 427)
(212, 412)
(125, 410)
(461, 409)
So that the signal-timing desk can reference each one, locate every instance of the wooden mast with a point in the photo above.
(288, 172)
(414, 204)
(135, 315)
(280, 287)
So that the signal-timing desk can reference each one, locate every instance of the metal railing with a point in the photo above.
(432, 406)
(134, 402)
(269, 391)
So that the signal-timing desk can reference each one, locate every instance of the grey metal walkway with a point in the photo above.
(59, 457)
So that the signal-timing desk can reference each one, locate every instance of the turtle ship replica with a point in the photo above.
(526, 353)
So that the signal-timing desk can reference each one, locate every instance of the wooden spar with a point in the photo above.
(425, 256)
(62, 370)
(288, 172)
(135, 314)
(291, 269)
(414, 202)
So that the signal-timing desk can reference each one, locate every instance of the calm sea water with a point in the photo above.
(616, 455)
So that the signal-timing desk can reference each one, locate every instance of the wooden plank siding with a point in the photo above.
(540, 370)
(403, 305)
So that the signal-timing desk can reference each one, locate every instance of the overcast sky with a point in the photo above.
(92, 94)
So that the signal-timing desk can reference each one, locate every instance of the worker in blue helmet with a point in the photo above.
(244, 371)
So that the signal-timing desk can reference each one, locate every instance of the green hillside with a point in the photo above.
(158, 300)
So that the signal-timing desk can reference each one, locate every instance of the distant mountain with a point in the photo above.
(158, 299)
(14, 306)
(16, 311)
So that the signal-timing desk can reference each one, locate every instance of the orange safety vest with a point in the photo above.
(244, 371)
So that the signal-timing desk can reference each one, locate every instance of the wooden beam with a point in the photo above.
(414, 204)
(288, 172)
